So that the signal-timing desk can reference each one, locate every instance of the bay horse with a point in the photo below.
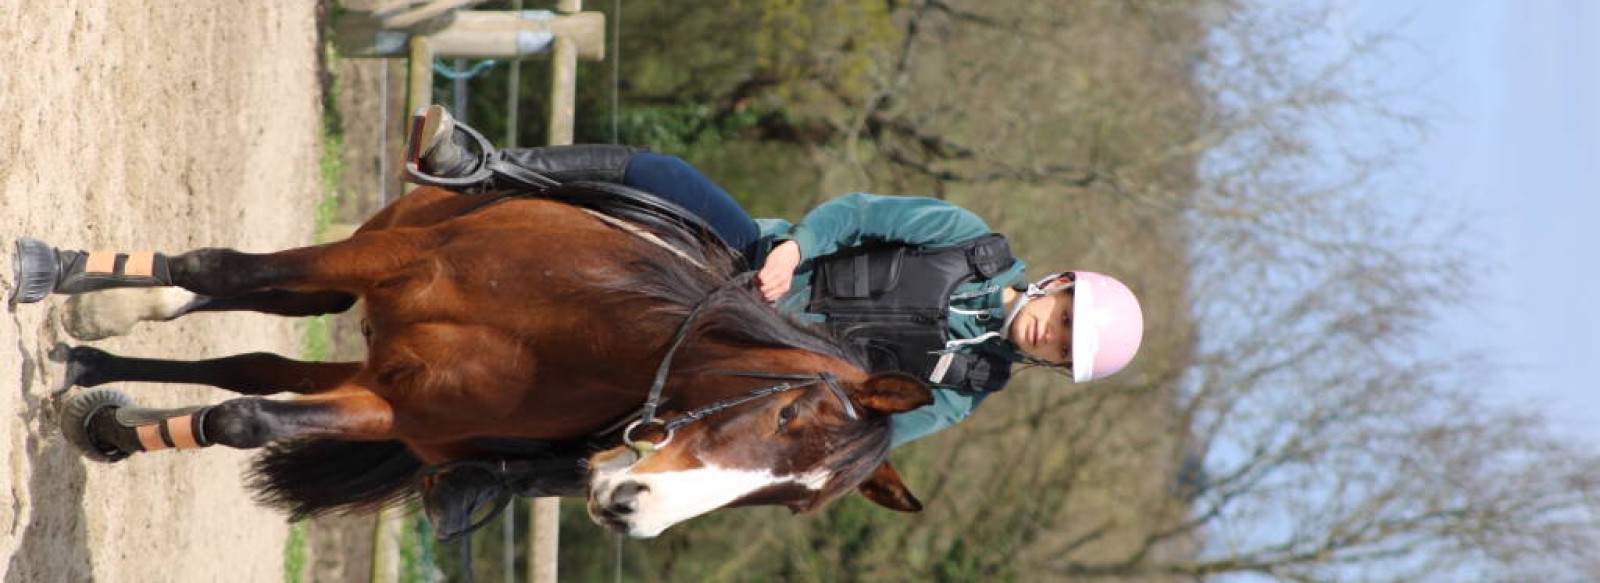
(509, 337)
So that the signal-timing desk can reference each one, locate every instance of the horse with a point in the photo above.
(511, 339)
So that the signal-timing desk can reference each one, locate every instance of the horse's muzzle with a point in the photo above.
(614, 508)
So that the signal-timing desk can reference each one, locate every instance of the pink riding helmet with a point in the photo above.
(1107, 326)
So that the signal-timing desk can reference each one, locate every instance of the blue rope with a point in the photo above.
(448, 72)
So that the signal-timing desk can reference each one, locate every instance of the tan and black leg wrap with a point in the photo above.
(158, 430)
(82, 271)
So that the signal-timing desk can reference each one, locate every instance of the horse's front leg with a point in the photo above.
(107, 426)
(113, 312)
(256, 373)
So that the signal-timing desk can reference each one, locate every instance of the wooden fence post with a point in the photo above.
(439, 29)
(546, 519)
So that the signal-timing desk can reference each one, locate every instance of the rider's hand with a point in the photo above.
(777, 274)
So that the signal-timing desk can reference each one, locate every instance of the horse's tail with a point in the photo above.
(310, 477)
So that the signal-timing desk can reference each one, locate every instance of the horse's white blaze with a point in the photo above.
(673, 497)
(113, 312)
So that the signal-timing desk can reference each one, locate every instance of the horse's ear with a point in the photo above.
(892, 392)
(886, 489)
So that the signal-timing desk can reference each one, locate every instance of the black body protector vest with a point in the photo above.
(893, 302)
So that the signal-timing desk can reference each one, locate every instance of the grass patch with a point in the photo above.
(316, 337)
(330, 170)
(417, 560)
(296, 554)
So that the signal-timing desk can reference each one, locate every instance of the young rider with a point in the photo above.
(921, 284)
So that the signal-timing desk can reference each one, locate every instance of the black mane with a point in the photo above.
(737, 314)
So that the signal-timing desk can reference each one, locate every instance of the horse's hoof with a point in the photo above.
(81, 362)
(80, 411)
(36, 271)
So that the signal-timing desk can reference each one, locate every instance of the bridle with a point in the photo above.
(667, 427)
(647, 415)
(503, 472)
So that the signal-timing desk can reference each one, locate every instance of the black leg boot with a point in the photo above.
(440, 153)
(41, 270)
(563, 164)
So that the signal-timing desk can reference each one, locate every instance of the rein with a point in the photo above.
(652, 402)
(647, 415)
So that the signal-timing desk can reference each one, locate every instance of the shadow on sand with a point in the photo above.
(54, 545)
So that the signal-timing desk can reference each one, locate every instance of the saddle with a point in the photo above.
(584, 176)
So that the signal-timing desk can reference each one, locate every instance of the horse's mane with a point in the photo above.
(739, 315)
(676, 286)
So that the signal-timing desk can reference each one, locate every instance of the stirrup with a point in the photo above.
(478, 177)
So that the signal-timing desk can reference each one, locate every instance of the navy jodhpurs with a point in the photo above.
(673, 179)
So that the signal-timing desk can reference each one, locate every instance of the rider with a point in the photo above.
(921, 284)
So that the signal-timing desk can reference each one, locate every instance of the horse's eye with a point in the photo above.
(786, 415)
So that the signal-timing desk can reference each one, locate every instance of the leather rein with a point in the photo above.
(647, 415)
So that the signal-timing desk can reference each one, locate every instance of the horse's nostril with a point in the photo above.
(629, 490)
(625, 497)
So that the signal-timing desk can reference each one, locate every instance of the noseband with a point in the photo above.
(649, 420)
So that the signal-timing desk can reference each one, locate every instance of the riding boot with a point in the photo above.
(563, 164)
(460, 501)
(440, 152)
(435, 147)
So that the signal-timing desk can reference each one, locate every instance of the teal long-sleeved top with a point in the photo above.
(977, 308)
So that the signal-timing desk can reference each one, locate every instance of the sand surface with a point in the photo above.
(145, 125)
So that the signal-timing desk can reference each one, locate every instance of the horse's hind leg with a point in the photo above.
(351, 266)
(42, 270)
(355, 265)
(107, 426)
(135, 287)
(257, 373)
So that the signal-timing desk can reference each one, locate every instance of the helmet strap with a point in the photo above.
(1035, 290)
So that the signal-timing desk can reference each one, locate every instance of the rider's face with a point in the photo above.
(1043, 329)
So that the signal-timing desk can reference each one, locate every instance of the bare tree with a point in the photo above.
(1339, 443)
(1236, 161)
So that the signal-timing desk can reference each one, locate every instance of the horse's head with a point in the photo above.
(798, 448)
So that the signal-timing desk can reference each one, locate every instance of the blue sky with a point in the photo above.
(1517, 146)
